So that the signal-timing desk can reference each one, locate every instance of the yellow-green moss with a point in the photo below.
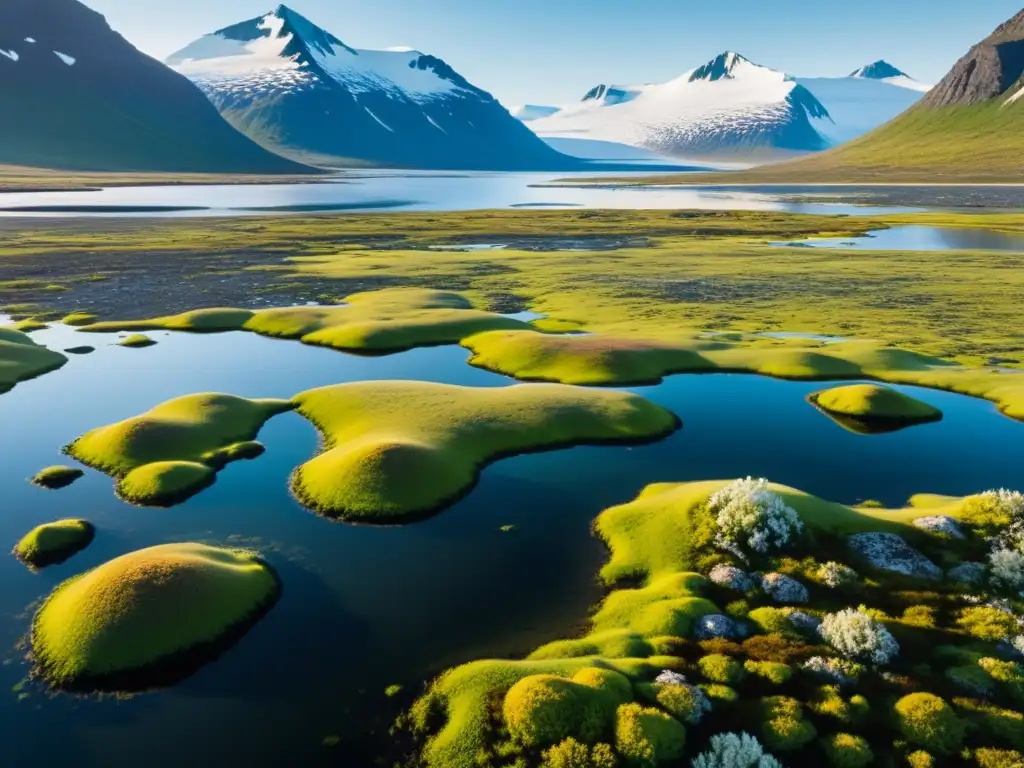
(648, 737)
(395, 450)
(542, 710)
(784, 727)
(844, 750)
(870, 402)
(927, 721)
(21, 358)
(53, 543)
(56, 477)
(773, 671)
(606, 360)
(123, 624)
(174, 450)
(136, 341)
(79, 319)
(376, 321)
(718, 668)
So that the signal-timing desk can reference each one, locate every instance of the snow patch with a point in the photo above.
(69, 60)
(30, 39)
(12, 55)
(401, 49)
(370, 113)
(1019, 94)
(433, 123)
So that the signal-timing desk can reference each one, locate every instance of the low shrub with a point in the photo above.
(720, 694)
(544, 710)
(773, 620)
(987, 623)
(648, 737)
(687, 703)
(929, 722)
(735, 750)
(784, 727)
(920, 616)
(573, 754)
(718, 668)
(858, 636)
(829, 702)
(772, 671)
(844, 750)
(920, 759)
(1003, 726)
(1008, 675)
(986, 757)
(737, 609)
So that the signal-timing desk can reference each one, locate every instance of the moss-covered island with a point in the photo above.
(869, 407)
(748, 614)
(57, 477)
(397, 450)
(173, 451)
(53, 543)
(611, 360)
(150, 617)
(22, 359)
(377, 321)
(136, 341)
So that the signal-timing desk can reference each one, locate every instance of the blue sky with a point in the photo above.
(552, 51)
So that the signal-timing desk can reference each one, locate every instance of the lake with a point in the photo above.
(411, 191)
(365, 607)
(920, 238)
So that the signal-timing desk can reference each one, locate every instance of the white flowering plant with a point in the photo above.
(735, 750)
(833, 574)
(752, 516)
(858, 636)
(1006, 568)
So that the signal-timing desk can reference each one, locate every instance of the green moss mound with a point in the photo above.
(174, 450)
(647, 737)
(929, 722)
(136, 341)
(22, 359)
(620, 360)
(56, 477)
(377, 321)
(149, 617)
(53, 543)
(869, 404)
(543, 710)
(79, 319)
(398, 450)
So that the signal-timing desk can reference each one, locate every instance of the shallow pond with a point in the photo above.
(920, 238)
(363, 607)
(408, 191)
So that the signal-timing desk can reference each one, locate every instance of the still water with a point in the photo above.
(921, 238)
(365, 607)
(408, 191)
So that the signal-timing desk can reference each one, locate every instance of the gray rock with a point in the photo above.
(715, 626)
(783, 589)
(889, 552)
(731, 577)
(943, 525)
(967, 573)
(804, 622)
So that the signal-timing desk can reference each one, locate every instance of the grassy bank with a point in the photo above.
(20, 178)
(675, 271)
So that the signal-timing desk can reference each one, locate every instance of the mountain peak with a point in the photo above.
(722, 67)
(879, 70)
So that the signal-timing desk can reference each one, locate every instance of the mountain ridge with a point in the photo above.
(78, 96)
(301, 91)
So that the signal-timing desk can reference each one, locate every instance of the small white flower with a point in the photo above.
(1007, 568)
(858, 636)
(751, 515)
(735, 750)
(833, 574)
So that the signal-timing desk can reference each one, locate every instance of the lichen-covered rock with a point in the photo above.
(731, 577)
(804, 622)
(889, 552)
(783, 589)
(715, 626)
(967, 573)
(942, 525)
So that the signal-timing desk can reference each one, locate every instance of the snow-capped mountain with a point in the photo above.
(76, 95)
(883, 71)
(728, 107)
(734, 109)
(867, 98)
(528, 112)
(300, 90)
